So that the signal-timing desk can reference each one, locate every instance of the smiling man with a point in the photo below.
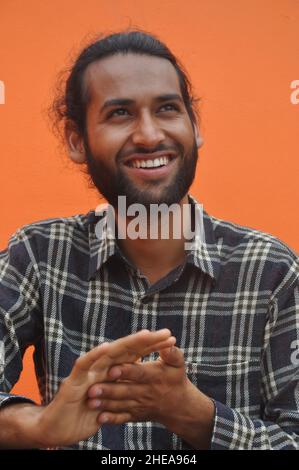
(230, 298)
(139, 142)
(139, 132)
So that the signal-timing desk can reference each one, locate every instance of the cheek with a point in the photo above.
(186, 139)
(104, 145)
(182, 131)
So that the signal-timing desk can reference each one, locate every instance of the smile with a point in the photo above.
(149, 168)
(157, 162)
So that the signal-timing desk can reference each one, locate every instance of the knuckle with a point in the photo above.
(64, 386)
(78, 363)
(64, 383)
(129, 417)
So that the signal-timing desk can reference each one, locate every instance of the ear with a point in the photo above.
(198, 137)
(75, 145)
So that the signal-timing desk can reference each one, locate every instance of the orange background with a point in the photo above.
(242, 56)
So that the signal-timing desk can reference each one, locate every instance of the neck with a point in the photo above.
(157, 255)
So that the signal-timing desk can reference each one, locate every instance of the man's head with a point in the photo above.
(127, 103)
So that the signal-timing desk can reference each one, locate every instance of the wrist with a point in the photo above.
(20, 426)
(193, 418)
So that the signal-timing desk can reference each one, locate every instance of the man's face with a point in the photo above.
(135, 116)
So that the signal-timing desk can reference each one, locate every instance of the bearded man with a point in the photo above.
(104, 312)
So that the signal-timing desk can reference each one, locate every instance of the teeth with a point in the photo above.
(150, 163)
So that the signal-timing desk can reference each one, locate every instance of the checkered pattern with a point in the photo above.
(233, 307)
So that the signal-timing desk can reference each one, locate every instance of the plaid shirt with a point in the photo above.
(232, 305)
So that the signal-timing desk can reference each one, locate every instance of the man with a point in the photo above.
(229, 298)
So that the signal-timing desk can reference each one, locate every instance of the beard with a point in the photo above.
(112, 183)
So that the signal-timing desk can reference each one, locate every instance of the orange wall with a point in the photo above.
(242, 56)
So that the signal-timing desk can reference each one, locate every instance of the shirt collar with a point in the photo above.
(202, 251)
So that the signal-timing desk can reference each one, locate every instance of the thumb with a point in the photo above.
(172, 356)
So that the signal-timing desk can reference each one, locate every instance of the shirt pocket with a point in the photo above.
(234, 384)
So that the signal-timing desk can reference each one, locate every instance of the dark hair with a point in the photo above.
(72, 96)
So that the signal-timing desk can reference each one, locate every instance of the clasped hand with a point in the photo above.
(155, 391)
(68, 418)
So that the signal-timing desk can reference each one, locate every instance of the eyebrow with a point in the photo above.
(127, 101)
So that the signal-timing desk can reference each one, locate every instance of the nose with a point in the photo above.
(147, 132)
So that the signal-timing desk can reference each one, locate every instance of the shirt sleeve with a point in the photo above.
(278, 427)
(20, 324)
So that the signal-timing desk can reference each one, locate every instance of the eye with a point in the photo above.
(118, 112)
(169, 107)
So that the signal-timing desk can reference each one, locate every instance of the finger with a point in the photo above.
(95, 391)
(137, 372)
(173, 357)
(138, 344)
(132, 347)
(127, 349)
(115, 372)
(94, 403)
(114, 418)
(83, 364)
(115, 406)
(113, 391)
(168, 343)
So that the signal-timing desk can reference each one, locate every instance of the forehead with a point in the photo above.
(131, 76)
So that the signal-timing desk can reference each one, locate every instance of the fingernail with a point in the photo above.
(104, 419)
(99, 392)
(97, 403)
(116, 373)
